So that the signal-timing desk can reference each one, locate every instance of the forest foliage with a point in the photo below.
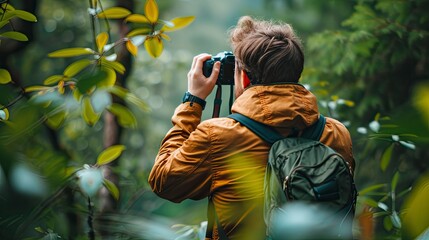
(60, 134)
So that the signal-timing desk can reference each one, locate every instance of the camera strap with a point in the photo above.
(231, 96)
(218, 100)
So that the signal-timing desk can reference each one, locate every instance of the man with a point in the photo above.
(220, 157)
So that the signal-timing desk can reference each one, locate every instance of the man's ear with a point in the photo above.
(245, 79)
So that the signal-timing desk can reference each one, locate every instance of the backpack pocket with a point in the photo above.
(323, 183)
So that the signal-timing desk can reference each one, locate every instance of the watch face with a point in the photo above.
(186, 97)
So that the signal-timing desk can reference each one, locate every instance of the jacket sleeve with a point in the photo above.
(181, 169)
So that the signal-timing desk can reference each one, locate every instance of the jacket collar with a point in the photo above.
(281, 106)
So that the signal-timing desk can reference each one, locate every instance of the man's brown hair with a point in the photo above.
(269, 52)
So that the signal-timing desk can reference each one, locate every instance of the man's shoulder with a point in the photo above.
(336, 123)
(220, 122)
(225, 129)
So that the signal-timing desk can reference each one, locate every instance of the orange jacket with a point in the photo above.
(222, 158)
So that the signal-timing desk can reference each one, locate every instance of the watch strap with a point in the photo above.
(188, 97)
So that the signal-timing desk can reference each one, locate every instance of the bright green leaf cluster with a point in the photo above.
(7, 13)
(150, 26)
(84, 77)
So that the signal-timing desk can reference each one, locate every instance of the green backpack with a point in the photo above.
(309, 188)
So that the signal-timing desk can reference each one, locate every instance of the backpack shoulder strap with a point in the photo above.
(263, 131)
(315, 131)
(267, 133)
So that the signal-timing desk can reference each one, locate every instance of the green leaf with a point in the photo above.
(88, 113)
(112, 189)
(5, 77)
(39, 229)
(139, 31)
(20, 14)
(165, 36)
(370, 202)
(178, 23)
(377, 117)
(408, 144)
(383, 206)
(151, 11)
(76, 67)
(395, 181)
(385, 158)
(128, 96)
(6, 6)
(36, 88)
(114, 13)
(15, 36)
(387, 223)
(137, 101)
(90, 80)
(119, 91)
(371, 189)
(55, 121)
(396, 220)
(131, 48)
(3, 23)
(137, 18)
(110, 78)
(125, 117)
(110, 154)
(71, 52)
(53, 79)
(77, 95)
(101, 41)
(24, 15)
(117, 66)
(154, 46)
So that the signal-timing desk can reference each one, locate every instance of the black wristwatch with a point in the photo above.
(188, 97)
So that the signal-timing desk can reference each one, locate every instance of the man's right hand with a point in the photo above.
(199, 85)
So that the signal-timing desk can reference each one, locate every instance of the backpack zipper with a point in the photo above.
(285, 183)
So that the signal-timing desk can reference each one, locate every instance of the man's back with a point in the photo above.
(226, 160)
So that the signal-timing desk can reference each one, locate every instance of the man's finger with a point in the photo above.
(201, 59)
(215, 72)
(196, 59)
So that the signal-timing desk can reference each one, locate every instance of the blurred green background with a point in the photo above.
(366, 61)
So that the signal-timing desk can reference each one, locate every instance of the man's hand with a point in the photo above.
(198, 84)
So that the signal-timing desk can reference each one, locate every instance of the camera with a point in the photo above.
(227, 67)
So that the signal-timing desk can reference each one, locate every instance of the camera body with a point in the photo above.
(227, 67)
